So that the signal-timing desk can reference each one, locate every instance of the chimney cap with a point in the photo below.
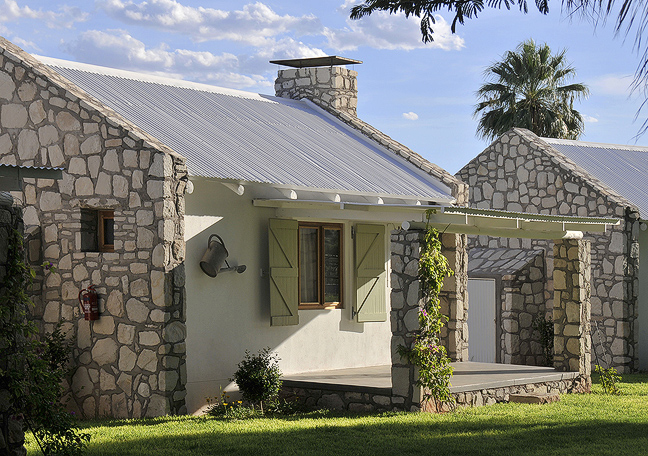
(316, 61)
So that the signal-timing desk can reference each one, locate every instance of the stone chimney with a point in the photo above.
(321, 80)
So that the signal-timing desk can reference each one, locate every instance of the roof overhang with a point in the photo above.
(11, 176)
(273, 194)
(460, 220)
(317, 61)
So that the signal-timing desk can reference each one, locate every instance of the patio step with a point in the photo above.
(533, 398)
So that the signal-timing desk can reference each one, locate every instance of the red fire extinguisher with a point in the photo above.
(89, 302)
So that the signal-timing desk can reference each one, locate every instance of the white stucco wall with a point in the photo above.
(642, 317)
(231, 313)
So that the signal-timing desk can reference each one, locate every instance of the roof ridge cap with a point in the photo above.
(601, 145)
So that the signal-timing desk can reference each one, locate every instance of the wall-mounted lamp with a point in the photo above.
(214, 257)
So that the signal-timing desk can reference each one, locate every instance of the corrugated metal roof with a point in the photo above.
(499, 261)
(231, 134)
(622, 168)
(44, 168)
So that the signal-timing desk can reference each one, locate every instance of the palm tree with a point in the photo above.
(632, 16)
(526, 89)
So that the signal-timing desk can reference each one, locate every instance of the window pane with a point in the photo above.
(308, 264)
(331, 265)
(89, 230)
(109, 231)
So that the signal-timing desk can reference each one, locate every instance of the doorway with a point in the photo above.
(482, 320)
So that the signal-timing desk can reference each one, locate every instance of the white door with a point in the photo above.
(481, 320)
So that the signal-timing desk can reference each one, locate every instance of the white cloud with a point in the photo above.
(382, 30)
(25, 44)
(410, 115)
(611, 84)
(285, 48)
(65, 18)
(118, 49)
(252, 24)
(589, 119)
(346, 6)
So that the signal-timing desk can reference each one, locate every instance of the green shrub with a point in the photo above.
(259, 377)
(32, 369)
(224, 408)
(609, 379)
(545, 328)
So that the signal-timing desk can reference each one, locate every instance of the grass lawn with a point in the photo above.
(592, 424)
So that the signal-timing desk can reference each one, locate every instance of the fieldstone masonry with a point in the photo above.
(520, 172)
(332, 87)
(571, 313)
(130, 362)
(406, 299)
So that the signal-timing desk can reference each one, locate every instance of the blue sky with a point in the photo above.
(421, 95)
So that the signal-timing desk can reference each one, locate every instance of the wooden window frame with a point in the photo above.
(321, 304)
(101, 216)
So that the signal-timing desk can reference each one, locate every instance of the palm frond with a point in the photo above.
(527, 89)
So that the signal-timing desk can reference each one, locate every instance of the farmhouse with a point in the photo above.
(211, 221)
(524, 173)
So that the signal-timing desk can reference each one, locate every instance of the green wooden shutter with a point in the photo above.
(284, 272)
(371, 302)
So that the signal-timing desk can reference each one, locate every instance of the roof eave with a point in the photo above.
(458, 188)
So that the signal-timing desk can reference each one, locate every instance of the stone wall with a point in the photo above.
(454, 296)
(406, 299)
(331, 87)
(490, 396)
(366, 401)
(130, 362)
(339, 399)
(520, 172)
(571, 313)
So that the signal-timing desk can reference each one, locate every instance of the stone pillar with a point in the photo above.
(454, 296)
(572, 308)
(405, 302)
(406, 298)
(331, 87)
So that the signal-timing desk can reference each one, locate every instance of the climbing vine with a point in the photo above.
(427, 351)
(33, 368)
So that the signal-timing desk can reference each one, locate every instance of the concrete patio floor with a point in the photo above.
(468, 376)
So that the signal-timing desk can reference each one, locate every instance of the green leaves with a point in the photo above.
(427, 351)
(609, 379)
(34, 368)
(258, 376)
(425, 10)
(528, 89)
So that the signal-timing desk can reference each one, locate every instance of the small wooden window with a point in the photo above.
(106, 234)
(320, 265)
(97, 230)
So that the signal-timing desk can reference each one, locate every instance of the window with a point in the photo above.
(106, 233)
(320, 265)
(97, 230)
(306, 267)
